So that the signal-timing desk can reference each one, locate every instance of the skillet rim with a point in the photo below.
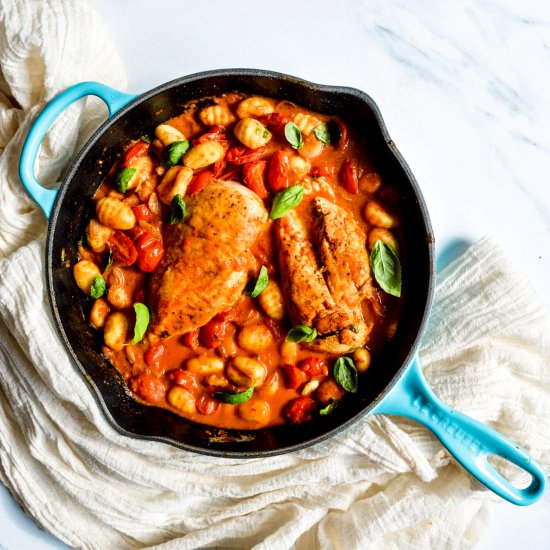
(247, 73)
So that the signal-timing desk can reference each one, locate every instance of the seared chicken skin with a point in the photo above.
(208, 258)
(326, 276)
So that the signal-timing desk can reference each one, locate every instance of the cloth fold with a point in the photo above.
(385, 482)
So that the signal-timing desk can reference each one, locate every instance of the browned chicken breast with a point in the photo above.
(208, 259)
(326, 276)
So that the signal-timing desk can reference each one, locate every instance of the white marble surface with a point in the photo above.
(463, 87)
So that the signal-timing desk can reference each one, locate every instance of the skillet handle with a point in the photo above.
(468, 440)
(114, 99)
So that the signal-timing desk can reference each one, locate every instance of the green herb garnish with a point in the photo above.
(257, 286)
(328, 409)
(145, 139)
(175, 151)
(142, 322)
(178, 209)
(386, 268)
(345, 374)
(301, 333)
(322, 133)
(293, 135)
(234, 398)
(286, 200)
(123, 178)
(98, 287)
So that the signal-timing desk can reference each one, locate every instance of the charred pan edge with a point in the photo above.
(335, 92)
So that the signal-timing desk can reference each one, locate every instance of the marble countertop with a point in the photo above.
(462, 86)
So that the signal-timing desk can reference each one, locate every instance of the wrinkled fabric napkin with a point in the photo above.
(384, 483)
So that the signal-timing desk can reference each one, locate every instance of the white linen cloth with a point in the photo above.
(384, 483)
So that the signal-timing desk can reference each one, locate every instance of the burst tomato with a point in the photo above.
(294, 376)
(239, 154)
(149, 252)
(277, 172)
(253, 177)
(182, 378)
(142, 212)
(149, 388)
(138, 149)
(200, 182)
(123, 248)
(313, 367)
(216, 133)
(300, 409)
(275, 123)
(326, 171)
(213, 333)
(207, 404)
(153, 355)
(191, 339)
(348, 177)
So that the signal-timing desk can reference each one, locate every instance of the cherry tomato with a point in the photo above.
(149, 388)
(313, 367)
(200, 182)
(182, 378)
(216, 133)
(348, 177)
(300, 409)
(123, 248)
(326, 171)
(153, 355)
(219, 167)
(277, 172)
(213, 333)
(233, 174)
(239, 154)
(207, 404)
(142, 212)
(229, 315)
(294, 376)
(138, 149)
(275, 123)
(191, 339)
(149, 252)
(253, 177)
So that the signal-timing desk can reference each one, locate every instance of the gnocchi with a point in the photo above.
(84, 272)
(115, 214)
(205, 364)
(216, 115)
(167, 134)
(174, 182)
(379, 216)
(255, 337)
(246, 372)
(116, 328)
(384, 235)
(203, 155)
(252, 133)
(182, 399)
(254, 107)
(306, 122)
(272, 301)
(97, 235)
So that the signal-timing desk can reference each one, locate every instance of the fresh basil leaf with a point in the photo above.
(386, 268)
(322, 134)
(174, 152)
(345, 374)
(293, 135)
(301, 333)
(286, 200)
(145, 139)
(234, 398)
(257, 286)
(328, 409)
(98, 287)
(123, 178)
(142, 322)
(178, 209)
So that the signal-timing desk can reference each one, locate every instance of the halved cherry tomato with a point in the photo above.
(239, 154)
(233, 174)
(200, 182)
(123, 248)
(229, 315)
(213, 334)
(138, 149)
(149, 388)
(216, 133)
(313, 367)
(294, 376)
(182, 378)
(191, 339)
(149, 252)
(142, 212)
(300, 409)
(326, 171)
(348, 177)
(207, 404)
(253, 177)
(277, 172)
(153, 355)
(219, 167)
(343, 141)
(275, 123)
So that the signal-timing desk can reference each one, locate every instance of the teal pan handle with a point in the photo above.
(114, 99)
(468, 440)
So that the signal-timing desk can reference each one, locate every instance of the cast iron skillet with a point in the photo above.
(393, 385)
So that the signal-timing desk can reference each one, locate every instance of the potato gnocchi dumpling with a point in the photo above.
(277, 331)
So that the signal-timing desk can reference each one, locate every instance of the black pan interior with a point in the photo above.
(70, 308)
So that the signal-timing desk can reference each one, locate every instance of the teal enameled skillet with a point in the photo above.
(393, 385)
